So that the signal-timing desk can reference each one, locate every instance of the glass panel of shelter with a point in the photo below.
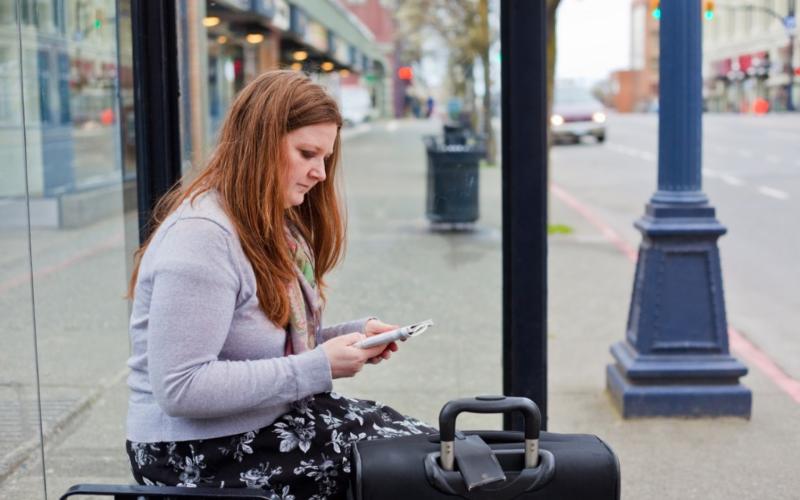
(19, 402)
(70, 227)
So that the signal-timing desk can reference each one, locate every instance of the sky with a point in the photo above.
(593, 38)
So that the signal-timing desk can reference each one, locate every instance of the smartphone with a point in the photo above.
(401, 333)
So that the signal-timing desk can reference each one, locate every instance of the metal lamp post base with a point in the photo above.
(689, 386)
(674, 360)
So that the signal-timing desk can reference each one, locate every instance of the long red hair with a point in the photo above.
(248, 171)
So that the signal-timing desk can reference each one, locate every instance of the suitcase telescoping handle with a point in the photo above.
(489, 404)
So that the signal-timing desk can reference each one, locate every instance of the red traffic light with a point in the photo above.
(405, 73)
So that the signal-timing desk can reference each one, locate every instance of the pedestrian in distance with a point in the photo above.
(231, 367)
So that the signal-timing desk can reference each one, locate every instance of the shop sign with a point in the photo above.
(264, 8)
(355, 59)
(235, 4)
(723, 67)
(341, 51)
(298, 21)
(745, 61)
(316, 35)
(281, 17)
(790, 23)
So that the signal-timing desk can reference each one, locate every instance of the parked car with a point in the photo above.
(576, 114)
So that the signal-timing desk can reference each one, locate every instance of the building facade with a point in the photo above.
(75, 59)
(637, 89)
(747, 58)
(746, 53)
(377, 17)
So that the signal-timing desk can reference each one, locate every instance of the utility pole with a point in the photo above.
(790, 23)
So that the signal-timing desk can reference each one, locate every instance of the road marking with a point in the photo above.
(392, 126)
(785, 135)
(646, 156)
(755, 356)
(729, 179)
(773, 193)
(612, 236)
(738, 342)
(642, 155)
(710, 173)
(773, 159)
(618, 148)
(746, 153)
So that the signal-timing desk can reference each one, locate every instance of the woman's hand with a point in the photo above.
(374, 327)
(346, 359)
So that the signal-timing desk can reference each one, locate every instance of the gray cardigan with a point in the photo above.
(206, 362)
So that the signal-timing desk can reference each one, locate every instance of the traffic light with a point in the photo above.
(708, 11)
(405, 73)
(655, 9)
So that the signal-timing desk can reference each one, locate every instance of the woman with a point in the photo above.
(231, 371)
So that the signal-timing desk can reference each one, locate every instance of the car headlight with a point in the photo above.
(598, 117)
(556, 120)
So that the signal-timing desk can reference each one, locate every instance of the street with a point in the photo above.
(751, 174)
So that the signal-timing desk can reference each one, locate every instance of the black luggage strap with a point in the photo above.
(476, 462)
(528, 479)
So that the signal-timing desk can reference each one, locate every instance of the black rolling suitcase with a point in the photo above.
(483, 465)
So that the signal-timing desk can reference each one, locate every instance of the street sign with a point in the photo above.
(790, 23)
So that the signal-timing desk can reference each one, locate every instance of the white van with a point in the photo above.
(356, 104)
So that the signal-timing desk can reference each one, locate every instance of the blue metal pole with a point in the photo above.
(674, 360)
(680, 127)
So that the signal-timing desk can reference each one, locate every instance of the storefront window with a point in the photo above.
(67, 227)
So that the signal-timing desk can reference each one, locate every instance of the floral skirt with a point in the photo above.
(303, 454)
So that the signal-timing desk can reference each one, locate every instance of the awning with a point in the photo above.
(344, 25)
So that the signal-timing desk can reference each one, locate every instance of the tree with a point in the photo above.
(464, 27)
(552, 5)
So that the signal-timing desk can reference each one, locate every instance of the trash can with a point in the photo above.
(452, 182)
(454, 134)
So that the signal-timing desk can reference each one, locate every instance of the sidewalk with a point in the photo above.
(396, 268)
(667, 458)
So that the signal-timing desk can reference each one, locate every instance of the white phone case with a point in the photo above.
(401, 333)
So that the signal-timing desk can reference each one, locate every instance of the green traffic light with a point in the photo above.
(657, 13)
(98, 24)
(709, 15)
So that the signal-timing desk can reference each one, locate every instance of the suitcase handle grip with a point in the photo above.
(489, 404)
